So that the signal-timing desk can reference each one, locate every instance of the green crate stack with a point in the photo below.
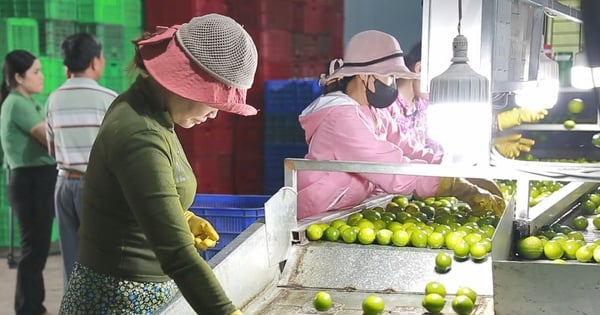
(102, 11)
(5, 218)
(109, 35)
(52, 33)
(7, 8)
(54, 75)
(18, 33)
(115, 75)
(65, 10)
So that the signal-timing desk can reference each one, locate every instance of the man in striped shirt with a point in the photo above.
(74, 114)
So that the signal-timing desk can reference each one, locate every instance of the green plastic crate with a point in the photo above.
(115, 76)
(18, 33)
(5, 218)
(54, 73)
(129, 34)
(132, 16)
(109, 35)
(7, 8)
(52, 9)
(101, 11)
(52, 34)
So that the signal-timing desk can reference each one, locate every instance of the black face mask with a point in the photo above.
(383, 96)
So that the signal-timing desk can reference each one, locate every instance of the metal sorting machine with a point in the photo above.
(272, 269)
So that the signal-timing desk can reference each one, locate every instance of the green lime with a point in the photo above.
(584, 253)
(433, 303)
(373, 305)
(365, 223)
(394, 225)
(366, 236)
(384, 236)
(436, 240)
(596, 254)
(314, 232)
(322, 301)
(452, 239)
(575, 106)
(401, 201)
(400, 238)
(571, 247)
(478, 251)
(419, 238)
(530, 247)
(473, 238)
(337, 223)
(462, 250)
(553, 250)
(443, 262)
(331, 234)
(468, 292)
(596, 222)
(569, 124)
(435, 287)
(580, 223)
(462, 305)
(349, 235)
(588, 207)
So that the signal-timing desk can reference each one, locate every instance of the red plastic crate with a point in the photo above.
(165, 13)
(262, 14)
(210, 141)
(214, 173)
(272, 45)
(309, 16)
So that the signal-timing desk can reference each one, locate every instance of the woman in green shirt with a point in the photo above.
(32, 173)
(138, 240)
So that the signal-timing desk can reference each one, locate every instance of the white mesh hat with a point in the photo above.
(211, 59)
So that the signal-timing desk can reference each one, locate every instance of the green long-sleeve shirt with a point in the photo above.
(137, 185)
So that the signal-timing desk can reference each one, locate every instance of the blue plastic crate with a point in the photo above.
(290, 96)
(283, 129)
(274, 156)
(230, 213)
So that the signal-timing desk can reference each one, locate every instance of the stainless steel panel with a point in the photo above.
(280, 219)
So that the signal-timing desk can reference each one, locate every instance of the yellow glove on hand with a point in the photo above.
(237, 312)
(204, 234)
(511, 146)
(479, 199)
(516, 116)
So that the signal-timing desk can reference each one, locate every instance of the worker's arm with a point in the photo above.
(39, 133)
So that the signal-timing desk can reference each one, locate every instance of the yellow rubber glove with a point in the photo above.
(237, 312)
(511, 146)
(204, 234)
(478, 198)
(516, 116)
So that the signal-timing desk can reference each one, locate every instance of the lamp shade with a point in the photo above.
(459, 83)
(545, 92)
(460, 114)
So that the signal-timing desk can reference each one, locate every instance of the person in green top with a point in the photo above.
(32, 173)
(138, 240)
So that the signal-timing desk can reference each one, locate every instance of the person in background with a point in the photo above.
(74, 113)
(350, 122)
(138, 241)
(409, 110)
(32, 173)
(511, 145)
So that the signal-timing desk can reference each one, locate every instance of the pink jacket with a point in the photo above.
(338, 128)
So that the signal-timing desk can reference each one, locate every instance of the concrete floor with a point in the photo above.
(52, 281)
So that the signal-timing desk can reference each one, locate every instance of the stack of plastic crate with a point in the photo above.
(284, 138)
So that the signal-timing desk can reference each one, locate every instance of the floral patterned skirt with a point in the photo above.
(93, 293)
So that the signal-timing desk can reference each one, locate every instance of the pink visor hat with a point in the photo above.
(170, 64)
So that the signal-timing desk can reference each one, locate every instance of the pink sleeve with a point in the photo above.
(355, 140)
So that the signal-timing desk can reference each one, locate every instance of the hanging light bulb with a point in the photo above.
(544, 94)
(582, 77)
(460, 113)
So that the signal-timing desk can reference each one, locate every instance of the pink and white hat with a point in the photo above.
(211, 60)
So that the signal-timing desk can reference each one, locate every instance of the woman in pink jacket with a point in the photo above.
(350, 123)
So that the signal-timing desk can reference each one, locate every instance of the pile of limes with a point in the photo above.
(435, 294)
(559, 242)
(435, 222)
(538, 190)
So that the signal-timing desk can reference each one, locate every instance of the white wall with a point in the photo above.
(400, 18)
